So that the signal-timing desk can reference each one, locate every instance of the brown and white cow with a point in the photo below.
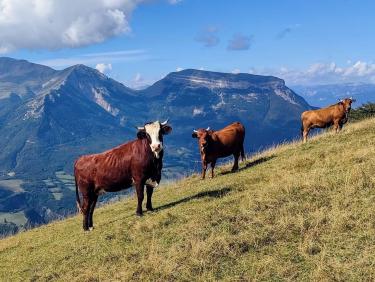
(137, 162)
(336, 115)
(219, 144)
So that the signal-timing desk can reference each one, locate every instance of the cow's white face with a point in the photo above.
(154, 132)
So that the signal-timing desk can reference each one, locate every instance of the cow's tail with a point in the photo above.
(243, 153)
(78, 201)
(302, 126)
(243, 157)
(302, 129)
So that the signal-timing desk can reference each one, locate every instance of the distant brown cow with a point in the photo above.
(138, 163)
(336, 115)
(219, 144)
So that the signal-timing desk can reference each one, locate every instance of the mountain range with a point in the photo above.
(325, 95)
(48, 118)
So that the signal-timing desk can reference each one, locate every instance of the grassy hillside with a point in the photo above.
(296, 212)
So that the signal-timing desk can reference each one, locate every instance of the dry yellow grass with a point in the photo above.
(295, 212)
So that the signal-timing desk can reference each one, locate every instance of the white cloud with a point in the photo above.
(54, 24)
(103, 68)
(325, 73)
(208, 37)
(97, 58)
(174, 2)
(198, 111)
(283, 33)
(139, 82)
(236, 71)
(240, 42)
(138, 77)
(179, 69)
(120, 53)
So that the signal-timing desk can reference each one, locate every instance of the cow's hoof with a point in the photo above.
(91, 228)
(150, 209)
(139, 213)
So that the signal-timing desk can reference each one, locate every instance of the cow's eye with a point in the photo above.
(141, 134)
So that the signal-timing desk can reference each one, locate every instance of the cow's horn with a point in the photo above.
(195, 131)
(208, 128)
(351, 98)
(140, 127)
(164, 123)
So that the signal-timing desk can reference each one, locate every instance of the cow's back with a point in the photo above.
(323, 116)
(230, 139)
(114, 169)
(231, 134)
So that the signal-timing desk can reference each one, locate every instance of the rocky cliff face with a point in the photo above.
(269, 110)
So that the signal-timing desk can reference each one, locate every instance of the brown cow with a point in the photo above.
(336, 115)
(219, 144)
(137, 162)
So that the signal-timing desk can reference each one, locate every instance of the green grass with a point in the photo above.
(298, 212)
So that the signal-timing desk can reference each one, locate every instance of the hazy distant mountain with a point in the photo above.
(48, 118)
(323, 95)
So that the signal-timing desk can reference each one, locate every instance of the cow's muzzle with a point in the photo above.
(156, 147)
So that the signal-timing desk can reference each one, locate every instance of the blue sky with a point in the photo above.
(304, 42)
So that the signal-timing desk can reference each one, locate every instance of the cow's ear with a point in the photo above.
(141, 134)
(167, 129)
(194, 135)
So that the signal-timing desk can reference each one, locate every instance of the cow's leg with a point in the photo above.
(213, 163)
(336, 126)
(340, 126)
(305, 133)
(140, 195)
(235, 165)
(93, 201)
(204, 168)
(149, 191)
(85, 211)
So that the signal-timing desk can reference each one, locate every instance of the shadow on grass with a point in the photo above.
(250, 164)
(212, 194)
(258, 161)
